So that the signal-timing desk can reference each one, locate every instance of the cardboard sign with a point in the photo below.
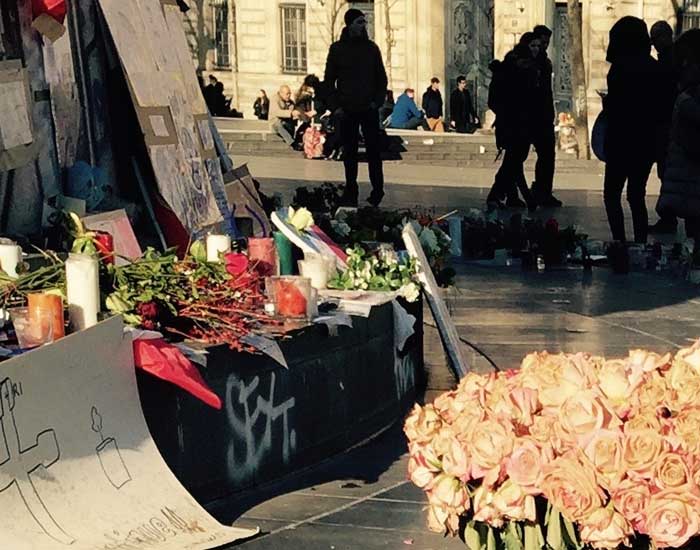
(448, 331)
(244, 201)
(118, 225)
(78, 467)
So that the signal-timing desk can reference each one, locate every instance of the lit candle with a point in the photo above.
(217, 244)
(10, 256)
(52, 303)
(83, 289)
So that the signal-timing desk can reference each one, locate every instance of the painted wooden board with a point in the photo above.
(448, 331)
(244, 201)
(118, 225)
(309, 242)
(79, 468)
(152, 47)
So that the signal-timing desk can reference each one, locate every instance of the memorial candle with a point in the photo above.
(216, 245)
(83, 289)
(52, 303)
(10, 257)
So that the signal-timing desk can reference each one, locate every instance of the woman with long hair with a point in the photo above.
(634, 109)
(261, 107)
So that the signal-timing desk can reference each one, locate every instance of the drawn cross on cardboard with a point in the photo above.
(17, 465)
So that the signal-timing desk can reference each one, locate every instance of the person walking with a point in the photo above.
(261, 107)
(406, 115)
(512, 96)
(543, 138)
(463, 117)
(661, 35)
(356, 82)
(630, 141)
(432, 105)
(680, 189)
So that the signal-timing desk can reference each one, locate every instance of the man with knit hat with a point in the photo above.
(356, 83)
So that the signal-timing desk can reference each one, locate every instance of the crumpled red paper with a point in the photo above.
(165, 361)
(55, 8)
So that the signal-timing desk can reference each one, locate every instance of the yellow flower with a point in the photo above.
(301, 219)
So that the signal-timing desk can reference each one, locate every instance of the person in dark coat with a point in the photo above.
(661, 35)
(463, 117)
(680, 189)
(517, 80)
(387, 108)
(261, 107)
(356, 80)
(210, 95)
(543, 125)
(634, 107)
(432, 105)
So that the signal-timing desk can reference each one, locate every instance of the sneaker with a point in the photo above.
(515, 202)
(664, 227)
(550, 202)
(375, 198)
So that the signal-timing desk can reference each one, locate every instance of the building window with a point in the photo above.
(293, 38)
(221, 42)
(690, 16)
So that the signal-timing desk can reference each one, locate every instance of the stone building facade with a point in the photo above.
(254, 44)
(513, 18)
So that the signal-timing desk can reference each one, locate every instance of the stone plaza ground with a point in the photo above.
(362, 500)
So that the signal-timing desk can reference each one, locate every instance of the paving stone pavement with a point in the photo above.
(362, 500)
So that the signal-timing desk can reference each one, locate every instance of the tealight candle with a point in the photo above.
(10, 257)
(217, 244)
(83, 289)
(315, 269)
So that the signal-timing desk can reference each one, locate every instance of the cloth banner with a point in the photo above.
(167, 362)
(78, 467)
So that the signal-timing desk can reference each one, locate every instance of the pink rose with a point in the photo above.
(490, 443)
(484, 508)
(641, 450)
(441, 520)
(456, 462)
(691, 356)
(514, 503)
(672, 518)
(616, 386)
(421, 471)
(524, 465)
(685, 428)
(605, 453)
(570, 486)
(450, 492)
(672, 471)
(422, 424)
(605, 528)
(582, 415)
(631, 499)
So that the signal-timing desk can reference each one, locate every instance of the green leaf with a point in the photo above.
(491, 543)
(472, 537)
(511, 537)
(554, 535)
(570, 536)
(534, 539)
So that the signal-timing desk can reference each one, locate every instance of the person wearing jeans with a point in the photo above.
(356, 82)
(283, 116)
(406, 115)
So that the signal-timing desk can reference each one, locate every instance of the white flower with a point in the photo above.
(301, 219)
(410, 292)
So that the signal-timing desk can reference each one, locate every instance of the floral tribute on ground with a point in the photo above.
(570, 451)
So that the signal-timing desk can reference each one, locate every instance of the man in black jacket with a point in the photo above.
(543, 130)
(432, 105)
(357, 83)
(462, 115)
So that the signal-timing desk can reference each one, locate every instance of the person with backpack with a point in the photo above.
(511, 98)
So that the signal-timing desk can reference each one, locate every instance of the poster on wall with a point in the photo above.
(152, 47)
(78, 467)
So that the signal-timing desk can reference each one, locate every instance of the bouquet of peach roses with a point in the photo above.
(569, 452)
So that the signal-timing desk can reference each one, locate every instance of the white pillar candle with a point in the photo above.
(217, 244)
(10, 257)
(83, 289)
(315, 269)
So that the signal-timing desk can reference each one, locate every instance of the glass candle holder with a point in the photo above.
(291, 295)
(32, 330)
(42, 301)
(263, 254)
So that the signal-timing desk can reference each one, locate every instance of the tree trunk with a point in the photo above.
(389, 31)
(578, 74)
